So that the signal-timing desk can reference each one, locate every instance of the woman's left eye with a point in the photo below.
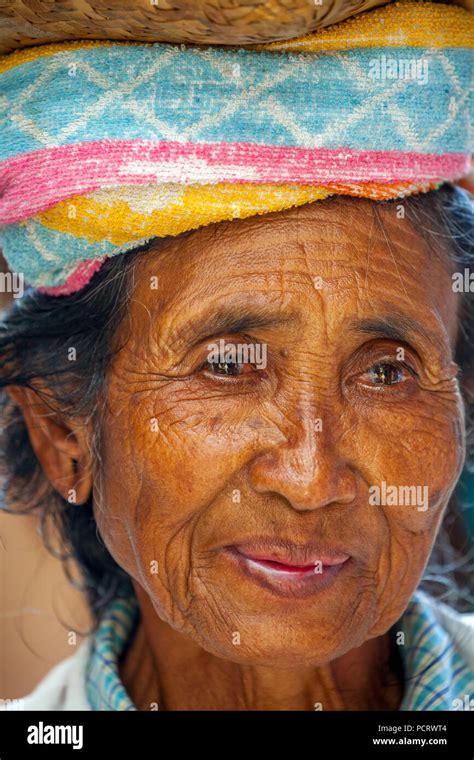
(385, 373)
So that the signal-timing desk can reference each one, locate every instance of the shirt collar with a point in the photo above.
(104, 688)
(436, 673)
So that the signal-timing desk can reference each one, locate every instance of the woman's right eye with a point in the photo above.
(228, 368)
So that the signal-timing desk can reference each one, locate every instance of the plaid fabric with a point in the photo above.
(437, 675)
(104, 688)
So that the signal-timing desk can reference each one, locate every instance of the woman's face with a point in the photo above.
(342, 433)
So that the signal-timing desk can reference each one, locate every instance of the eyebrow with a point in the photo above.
(235, 319)
(397, 327)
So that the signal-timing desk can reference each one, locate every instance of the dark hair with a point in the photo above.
(37, 330)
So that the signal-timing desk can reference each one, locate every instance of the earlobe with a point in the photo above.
(60, 443)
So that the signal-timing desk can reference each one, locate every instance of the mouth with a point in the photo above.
(289, 569)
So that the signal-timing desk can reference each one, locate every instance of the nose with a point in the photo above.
(306, 469)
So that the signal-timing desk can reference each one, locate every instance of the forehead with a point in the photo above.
(354, 254)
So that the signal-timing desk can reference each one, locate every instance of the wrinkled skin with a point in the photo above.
(168, 493)
(166, 490)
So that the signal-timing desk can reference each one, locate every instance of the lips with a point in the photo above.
(288, 570)
(281, 565)
(288, 556)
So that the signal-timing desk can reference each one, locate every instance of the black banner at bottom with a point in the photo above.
(141, 734)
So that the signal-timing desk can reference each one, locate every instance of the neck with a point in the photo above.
(164, 669)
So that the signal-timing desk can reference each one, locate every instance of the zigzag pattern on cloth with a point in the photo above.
(107, 145)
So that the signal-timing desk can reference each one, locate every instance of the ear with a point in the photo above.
(61, 445)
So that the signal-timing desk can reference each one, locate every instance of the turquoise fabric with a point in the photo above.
(121, 92)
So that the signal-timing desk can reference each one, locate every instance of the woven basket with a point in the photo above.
(232, 22)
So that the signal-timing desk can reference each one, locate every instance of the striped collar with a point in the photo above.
(105, 690)
(437, 674)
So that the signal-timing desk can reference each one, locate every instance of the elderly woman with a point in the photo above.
(247, 427)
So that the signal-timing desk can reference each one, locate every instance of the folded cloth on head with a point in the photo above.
(105, 145)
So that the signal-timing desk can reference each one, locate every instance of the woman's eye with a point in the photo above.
(228, 368)
(385, 373)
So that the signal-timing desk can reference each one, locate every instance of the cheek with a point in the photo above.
(164, 461)
(410, 458)
(418, 444)
(188, 448)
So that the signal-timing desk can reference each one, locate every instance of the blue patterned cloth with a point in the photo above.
(437, 675)
(104, 688)
(314, 100)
